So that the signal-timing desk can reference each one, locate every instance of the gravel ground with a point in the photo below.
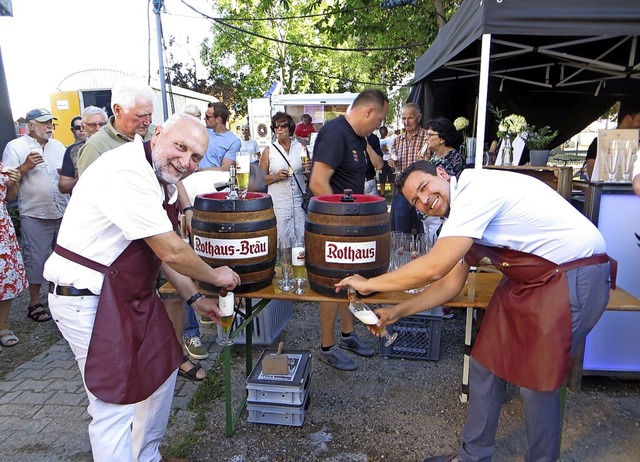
(403, 410)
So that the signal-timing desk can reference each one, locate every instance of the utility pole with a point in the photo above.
(157, 7)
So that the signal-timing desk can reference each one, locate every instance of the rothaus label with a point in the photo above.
(229, 249)
(350, 252)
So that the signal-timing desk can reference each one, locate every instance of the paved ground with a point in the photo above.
(43, 415)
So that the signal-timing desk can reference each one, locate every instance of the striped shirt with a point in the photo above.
(407, 147)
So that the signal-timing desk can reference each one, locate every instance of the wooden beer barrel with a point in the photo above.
(240, 234)
(345, 237)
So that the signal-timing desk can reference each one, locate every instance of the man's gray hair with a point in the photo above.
(126, 94)
(414, 106)
(175, 118)
(93, 110)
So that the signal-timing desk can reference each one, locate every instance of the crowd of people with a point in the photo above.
(99, 225)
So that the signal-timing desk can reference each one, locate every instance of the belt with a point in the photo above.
(69, 291)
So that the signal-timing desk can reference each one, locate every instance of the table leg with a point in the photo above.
(464, 396)
(231, 418)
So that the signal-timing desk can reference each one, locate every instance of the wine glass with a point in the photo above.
(284, 252)
(361, 311)
(627, 159)
(612, 158)
(226, 305)
(243, 167)
(297, 263)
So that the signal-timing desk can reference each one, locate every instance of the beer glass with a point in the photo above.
(366, 315)
(284, 254)
(226, 304)
(243, 167)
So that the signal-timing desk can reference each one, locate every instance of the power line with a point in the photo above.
(297, 44)
(306, 71)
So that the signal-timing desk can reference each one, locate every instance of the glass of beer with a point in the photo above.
(243, 167)
(297, 264)
(366, 315)
(226, 304)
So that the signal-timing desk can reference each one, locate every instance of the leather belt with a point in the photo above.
(69, 291)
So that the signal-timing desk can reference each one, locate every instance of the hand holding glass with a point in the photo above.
(361, 311)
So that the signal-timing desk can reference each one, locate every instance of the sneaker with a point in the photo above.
(355, 344)
(205, 321)
(195, 348)
(336, 358)
(447, 313)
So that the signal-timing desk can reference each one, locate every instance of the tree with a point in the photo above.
(312, 47)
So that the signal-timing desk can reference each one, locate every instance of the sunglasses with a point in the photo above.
(96, 124)
(76, 127)
(281, 125)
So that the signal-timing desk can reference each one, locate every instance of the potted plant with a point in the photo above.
(539, 142)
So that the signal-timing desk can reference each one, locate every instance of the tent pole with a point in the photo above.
(483, 89)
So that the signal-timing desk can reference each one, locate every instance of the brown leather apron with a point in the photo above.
(525, 336)
(133, 348)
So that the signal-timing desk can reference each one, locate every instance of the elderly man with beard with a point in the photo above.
(114, 238)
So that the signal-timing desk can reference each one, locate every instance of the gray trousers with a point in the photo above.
(589, 295)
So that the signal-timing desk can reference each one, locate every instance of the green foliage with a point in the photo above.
(540, 139)
(310, 47)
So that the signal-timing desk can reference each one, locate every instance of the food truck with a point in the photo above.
(322, 107)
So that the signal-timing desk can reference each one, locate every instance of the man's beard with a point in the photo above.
(167, 174)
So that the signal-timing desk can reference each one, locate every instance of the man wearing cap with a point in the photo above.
(37, 156)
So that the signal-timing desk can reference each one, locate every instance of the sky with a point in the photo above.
(47, 40)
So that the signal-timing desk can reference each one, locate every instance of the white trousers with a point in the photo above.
(122, 432)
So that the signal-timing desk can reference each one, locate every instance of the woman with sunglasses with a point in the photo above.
(281, 163)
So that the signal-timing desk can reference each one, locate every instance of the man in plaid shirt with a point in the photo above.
(409, 147)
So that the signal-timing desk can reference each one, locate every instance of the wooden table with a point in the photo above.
(558, 178)
(476, 293)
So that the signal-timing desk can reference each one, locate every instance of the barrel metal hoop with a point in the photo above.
(341, 273)
(244, 227)
(332, 230)
(242, 288)
(243, 268)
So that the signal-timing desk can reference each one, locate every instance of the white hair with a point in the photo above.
(126, 93)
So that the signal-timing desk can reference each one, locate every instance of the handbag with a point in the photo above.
(305, 198)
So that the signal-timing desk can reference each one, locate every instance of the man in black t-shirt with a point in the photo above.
(339, 163)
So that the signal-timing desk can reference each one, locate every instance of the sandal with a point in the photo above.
(8, 338)
(192, 373)
(38, 314)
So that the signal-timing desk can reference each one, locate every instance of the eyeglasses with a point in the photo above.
(96, 124)
(76, 127)
(281, 125)
(207, 116)
(432, 134)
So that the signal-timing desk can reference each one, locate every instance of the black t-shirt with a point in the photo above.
(339, 147)
(68, 166)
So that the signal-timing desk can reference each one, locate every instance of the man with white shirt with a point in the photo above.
(38, 157)
(554, 289)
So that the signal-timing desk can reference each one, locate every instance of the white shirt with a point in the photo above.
(117, 201)
(507, 209)
(249, 146)
(39, 194)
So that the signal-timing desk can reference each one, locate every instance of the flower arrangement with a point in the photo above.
(539, 139)
(512, 125)
(461, 124)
